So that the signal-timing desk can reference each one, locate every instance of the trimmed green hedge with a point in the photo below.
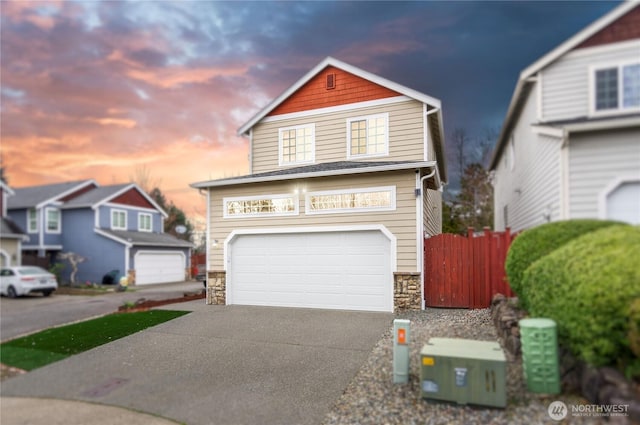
(539, 241)
(588, 287)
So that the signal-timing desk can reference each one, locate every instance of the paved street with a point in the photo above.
(32, 313)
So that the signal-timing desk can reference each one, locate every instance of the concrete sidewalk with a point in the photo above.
(217, 365)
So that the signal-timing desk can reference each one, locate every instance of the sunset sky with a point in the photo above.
(105, 90)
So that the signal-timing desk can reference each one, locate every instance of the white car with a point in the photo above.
(23, 280)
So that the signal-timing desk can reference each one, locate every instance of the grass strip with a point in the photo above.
(49, 346)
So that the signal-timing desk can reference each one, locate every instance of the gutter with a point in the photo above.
(420, 228)
(327, 173)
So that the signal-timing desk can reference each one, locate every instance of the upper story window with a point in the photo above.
(352, 200)
(616, 88)
(297, 144)
(32, 220)
(53, 220)
(368, 136)
(144, 222)
(265, 205)
(118, 220)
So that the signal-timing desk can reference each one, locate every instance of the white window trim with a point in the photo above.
(113, 227)
(386, 136)
(296, 204)
(56, 231)
(29, 228)
(592, 89)
(140, 216)
(392, 207)
(281, 162)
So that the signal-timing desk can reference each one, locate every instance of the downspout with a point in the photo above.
(420, 221)
(207, 245)
(420, 225)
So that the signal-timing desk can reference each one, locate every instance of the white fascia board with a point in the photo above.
(329, 61)
(603, 124)
(578, 38)
(127, 188)
(113, 238)
(65, 193)
(328, 173)
(6, 188)
(546, 130)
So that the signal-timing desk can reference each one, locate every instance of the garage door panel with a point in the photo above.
(159, 267)
(348, 270)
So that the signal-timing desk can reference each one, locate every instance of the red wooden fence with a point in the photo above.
(465, 272)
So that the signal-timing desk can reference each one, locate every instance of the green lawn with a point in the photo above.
(40, 349)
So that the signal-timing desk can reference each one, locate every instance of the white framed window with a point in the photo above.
(368, 136)
(297, 145)
(615, 88)
(118, 220)
(260, 206)
(54, 224)
(32, 220)
(144, 222)
(365, 199)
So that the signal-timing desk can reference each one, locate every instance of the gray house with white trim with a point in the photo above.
(346, 176)
(570, 144)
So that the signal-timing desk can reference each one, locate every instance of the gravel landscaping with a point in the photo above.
(372, 398)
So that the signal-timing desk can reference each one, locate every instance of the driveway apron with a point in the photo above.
(220, 365)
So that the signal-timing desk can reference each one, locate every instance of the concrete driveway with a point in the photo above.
(220, 365)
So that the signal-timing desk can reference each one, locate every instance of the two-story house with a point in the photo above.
(570, 144)
(11, 235)
(346, 171)
(115, 228)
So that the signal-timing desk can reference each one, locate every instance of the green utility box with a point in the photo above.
(540, 355)
(463, 371)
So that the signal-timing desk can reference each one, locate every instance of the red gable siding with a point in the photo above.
(78, 192)
(348, 89)
(626, 27)
(134, 198)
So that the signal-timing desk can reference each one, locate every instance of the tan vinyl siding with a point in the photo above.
(400, 222)
(432, 207)
(406, 137)
(596, 160)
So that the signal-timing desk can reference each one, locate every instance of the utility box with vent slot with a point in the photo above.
(463, 371)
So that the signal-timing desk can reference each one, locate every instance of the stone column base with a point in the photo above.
(216, 287)
(406, 291)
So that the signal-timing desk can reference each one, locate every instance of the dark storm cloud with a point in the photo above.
(114, 84)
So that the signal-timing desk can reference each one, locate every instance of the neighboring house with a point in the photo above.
(116, 227)
(570, 144)
(346, 176)
(11, 235)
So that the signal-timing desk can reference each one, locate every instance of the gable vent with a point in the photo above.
(331, 81)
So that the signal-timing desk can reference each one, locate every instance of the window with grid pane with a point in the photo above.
(118, 220)
(297, 145)
(617, 88)
(260, 206)
(368, 136)
(355, 200)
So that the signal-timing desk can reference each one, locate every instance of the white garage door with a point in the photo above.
(159, 267)
(333, 270)
(623, 203)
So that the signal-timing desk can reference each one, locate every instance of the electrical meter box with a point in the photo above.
(463, 371)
